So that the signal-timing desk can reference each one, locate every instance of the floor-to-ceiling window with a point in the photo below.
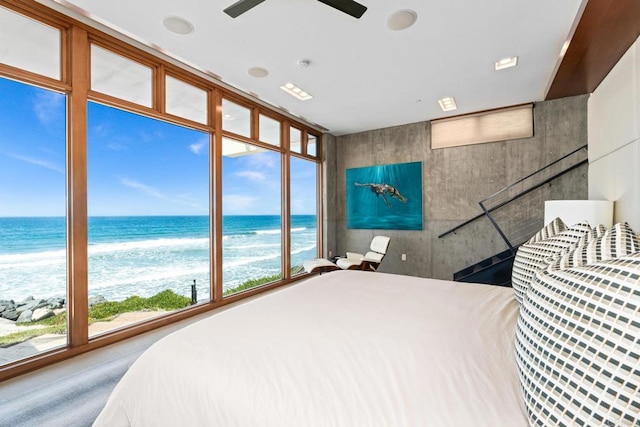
(303, 206)
(33, 266)
(148, 205)
(251, 203)
(33, 167)
(131, 189)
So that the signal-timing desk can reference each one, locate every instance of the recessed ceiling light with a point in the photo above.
(401, 20)
(258, 72)
(178, 25)
(448, 104)
(506, 63)
(296, 92)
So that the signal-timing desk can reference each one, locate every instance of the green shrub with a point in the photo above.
(252, 283)
(18, 337)
(165, 300)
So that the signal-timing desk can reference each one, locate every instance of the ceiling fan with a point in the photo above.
(349, 7)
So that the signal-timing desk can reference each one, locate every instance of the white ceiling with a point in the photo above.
(362, 75)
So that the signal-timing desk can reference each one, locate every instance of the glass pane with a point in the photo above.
(312, 142)
(29, 45)
(120, 77)
(304, 235)
(269, 130)
(295, 140)
(148, 203)
(236, 118)
(186, 100)
(33, 261)
(251, 203)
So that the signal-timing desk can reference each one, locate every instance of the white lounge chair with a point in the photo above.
(368, 262)
(319, 265)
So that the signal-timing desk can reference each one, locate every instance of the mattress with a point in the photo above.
(348, 348)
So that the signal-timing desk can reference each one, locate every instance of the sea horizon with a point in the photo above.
(145, 254)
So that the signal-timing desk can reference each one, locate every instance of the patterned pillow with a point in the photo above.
(601, 229)
(578, 345)
(619, 240)
(532, 257)
(551, 229)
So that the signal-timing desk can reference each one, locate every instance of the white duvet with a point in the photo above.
(347, 348)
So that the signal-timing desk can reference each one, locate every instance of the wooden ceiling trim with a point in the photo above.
(605, 32)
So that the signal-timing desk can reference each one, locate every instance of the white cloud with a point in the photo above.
(143, 188)
(264, 160)
(114, 146)
(39, 162)
(252, 175)
(48, 106)
(181, 199)
(197, 147)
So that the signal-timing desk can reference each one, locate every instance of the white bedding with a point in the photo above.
(347, 348)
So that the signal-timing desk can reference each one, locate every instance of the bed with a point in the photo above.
(346, 348)
(353, 348)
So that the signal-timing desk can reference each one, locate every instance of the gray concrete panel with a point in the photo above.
(454, 181)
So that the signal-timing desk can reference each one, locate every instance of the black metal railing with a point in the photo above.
(521, 188)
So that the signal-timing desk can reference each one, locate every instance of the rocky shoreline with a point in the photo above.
(32, 309)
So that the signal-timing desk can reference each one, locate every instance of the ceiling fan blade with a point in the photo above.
(349, 7)
(240, 7)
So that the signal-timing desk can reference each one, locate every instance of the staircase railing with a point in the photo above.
(521, 188)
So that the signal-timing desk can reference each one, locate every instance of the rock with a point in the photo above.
(41, 304)
(55, 303)
(31, 305)
(41, 313)
(25, 316)
(25, 301)
(96, 299)
(57, 311)
(10, 314)
(8, 305)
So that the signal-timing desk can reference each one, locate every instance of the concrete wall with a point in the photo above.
(329, 193)
(454, 181)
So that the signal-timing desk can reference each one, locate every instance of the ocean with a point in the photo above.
(145, 255)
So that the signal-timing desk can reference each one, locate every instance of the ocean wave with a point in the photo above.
(268, 232)
(101, 248)
(248, 260)
(254, 259)
(303, 249)
(251, 246)
(278, 231)
(45, 258)
(157, 274)
(20, 258)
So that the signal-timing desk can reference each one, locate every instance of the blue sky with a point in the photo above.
(136, 165)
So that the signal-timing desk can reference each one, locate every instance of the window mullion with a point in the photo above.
(77, 223)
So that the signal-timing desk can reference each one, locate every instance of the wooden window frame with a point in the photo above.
(76, 40)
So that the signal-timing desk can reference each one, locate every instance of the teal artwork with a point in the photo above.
(385, 197)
